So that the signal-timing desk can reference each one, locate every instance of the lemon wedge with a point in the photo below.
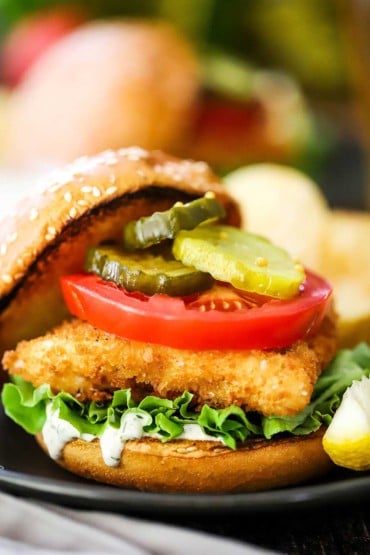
(347, 439)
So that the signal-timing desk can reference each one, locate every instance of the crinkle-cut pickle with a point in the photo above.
(146, 272)
(150, 230)
(247, 261)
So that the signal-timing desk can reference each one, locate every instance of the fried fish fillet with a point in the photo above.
(90, 364)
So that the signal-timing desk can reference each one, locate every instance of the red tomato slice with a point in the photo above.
(179, 323)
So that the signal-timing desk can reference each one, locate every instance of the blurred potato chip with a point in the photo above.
(346, 263)
(288, 208)
(285, 206)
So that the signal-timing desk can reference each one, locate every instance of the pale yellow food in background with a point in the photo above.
(346, 263)
(287, 207)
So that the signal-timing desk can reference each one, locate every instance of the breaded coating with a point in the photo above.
(89, 363)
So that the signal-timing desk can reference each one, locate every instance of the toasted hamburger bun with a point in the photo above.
(89, 202)
(201, 466)
(109, 84)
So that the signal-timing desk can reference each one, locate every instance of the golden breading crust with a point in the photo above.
(89, 363)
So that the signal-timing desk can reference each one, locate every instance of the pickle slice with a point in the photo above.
(153, 229)
(146, 272)
(249, 262)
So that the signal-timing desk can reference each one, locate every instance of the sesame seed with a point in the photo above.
(184, 450)
(6, 278)
(33, 214)
(12, 237)
(111, 190)
(18, 276)
(133, 153)
(3, 248)
(49, 237)
(51, 230)
(68, 196)
(199, 166)
(73, 212)
(210, 194)
(86, 189)
(260, 261)
(212, 305)
(55, 187)
(202, 308)
(238, 305)
(225, 305)
(96, 192)
(190, 449)
(82, 202)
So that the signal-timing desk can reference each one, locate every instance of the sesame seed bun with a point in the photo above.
(108, 84)
(201, 466)
(84, 204)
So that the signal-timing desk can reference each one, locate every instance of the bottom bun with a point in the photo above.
(201, 466)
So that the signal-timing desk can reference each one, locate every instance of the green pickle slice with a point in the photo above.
(146, 272)
(247, 261)
(144, 232)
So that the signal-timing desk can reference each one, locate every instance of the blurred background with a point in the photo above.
(232, 83)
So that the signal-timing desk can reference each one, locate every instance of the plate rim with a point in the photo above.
(107, 497)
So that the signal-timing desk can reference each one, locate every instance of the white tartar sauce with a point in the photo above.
(58, 432)
(112, 440)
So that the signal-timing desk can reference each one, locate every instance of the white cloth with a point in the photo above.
(35, 528)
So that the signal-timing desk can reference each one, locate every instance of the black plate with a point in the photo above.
(26, 470)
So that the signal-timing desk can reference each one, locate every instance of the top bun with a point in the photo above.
(88, 202)
(106, 85)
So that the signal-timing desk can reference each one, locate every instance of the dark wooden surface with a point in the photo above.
(324, 531)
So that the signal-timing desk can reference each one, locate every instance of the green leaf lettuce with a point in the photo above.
(166, 418)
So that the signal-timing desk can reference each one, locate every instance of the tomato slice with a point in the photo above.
(183, 324)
